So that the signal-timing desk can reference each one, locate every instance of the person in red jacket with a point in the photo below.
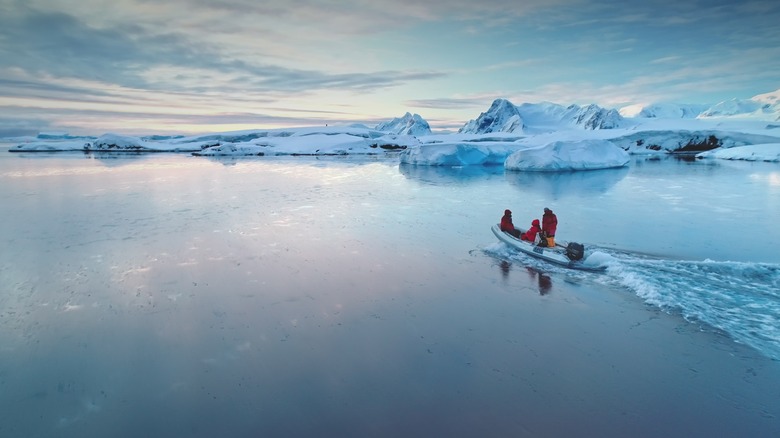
(549, 225)
(507, 225)
(530, 235)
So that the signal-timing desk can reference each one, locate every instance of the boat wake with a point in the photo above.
(741, 299)
(738, 298)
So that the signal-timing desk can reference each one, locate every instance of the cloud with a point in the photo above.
(186, 57)
(31, 120)
(450, 103)
(666, 60)
(377, 12)
(17, 127)
(47, 89)
(63, 45)
(60, 44)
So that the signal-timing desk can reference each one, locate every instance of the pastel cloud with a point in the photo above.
(358, 61)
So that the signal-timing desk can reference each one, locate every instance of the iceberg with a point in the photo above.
(568, 155)
(458, 154)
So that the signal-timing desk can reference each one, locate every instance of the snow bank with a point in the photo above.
(114, 142)
(651, 136)
(104, 143)
(756, 152)
(568, 155)
(247, 136)
(303, 141)
(50, 146)
(313, 144)
(652, 141)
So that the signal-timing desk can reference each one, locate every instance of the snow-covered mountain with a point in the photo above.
(771, 98)
(536, 118)
(531, 118)
(764, 107)
(732, 107)
(760, 107)
(595, 117)
(502, 116)
(407, 125)
(664, 111)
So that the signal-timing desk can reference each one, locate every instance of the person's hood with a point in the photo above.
(507, 212)
(535, 222)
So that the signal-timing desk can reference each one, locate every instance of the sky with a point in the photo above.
(88, 67)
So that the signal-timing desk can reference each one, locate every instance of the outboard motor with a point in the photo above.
(575, 251)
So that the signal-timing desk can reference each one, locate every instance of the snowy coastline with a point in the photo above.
(564, 138)
(562, 150)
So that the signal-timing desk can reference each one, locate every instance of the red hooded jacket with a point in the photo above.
(549, 222)
(506, 222)
(530, 235)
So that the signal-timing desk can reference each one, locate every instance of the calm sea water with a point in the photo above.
(221, 284)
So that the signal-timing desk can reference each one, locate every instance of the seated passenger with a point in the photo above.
(507, 225)
(530, 235)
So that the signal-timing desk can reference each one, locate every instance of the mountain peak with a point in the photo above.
(408, 124)
(595, 117)
(503, 116)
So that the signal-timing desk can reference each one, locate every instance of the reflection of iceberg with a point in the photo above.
(560, 184)
(108, 159)
(229, 160)
(448, 174)
(116, 159)
(310, 160)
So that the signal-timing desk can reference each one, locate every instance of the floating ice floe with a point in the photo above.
(756, 152)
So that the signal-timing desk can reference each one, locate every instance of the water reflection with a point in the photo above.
(685, 157)
(556, 185)
(73, 155)
(322, 161)
(543, 281)
(441, 175)
(639, 160)
(505, 268)
(227, 160)
(109, 159)
(116, 159)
